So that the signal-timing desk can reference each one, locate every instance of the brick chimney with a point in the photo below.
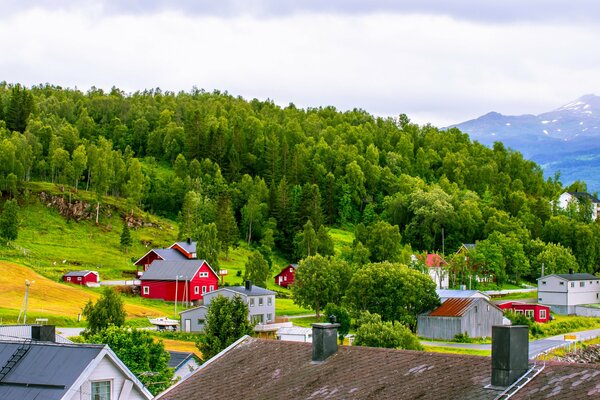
(43, 333)
(510, 354)
(324, 340)
(249, 285)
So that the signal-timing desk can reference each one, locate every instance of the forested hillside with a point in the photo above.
(229, 169)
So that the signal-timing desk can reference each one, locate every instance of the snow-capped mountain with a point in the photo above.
(566, 139)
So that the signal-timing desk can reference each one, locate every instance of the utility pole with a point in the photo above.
(27, 284)
(176, 286)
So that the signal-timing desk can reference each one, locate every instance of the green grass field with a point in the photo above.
(455, 350)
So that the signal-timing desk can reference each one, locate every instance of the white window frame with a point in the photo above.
(261, 302)
(93, 387)
(251, 301)
(529, 313)
(519, 312)
(543, 314)
(146, 289)
(68, 279)
(203, 274)
(269, 301)
(79, 278)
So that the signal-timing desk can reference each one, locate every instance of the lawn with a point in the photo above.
(286, 307)
(456, 350)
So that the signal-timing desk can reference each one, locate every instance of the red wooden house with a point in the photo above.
(169, 254)
(187, 248)
(537, 312)
(81, 277)
(286, 276)
(184, 280)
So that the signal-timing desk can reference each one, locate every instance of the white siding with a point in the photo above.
(107, 371)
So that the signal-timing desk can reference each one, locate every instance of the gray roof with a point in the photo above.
(161, 270)
(176, 358)
(170, 254)
(255, 291)
(573, 277)
(584, 195)
(80, 273)
(46, 371)
(189, 246)
(446, 293)
(12, 333)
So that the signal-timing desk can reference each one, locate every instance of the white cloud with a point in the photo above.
(433, 68)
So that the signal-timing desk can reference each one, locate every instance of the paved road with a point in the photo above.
(66, 332)
(536, 347)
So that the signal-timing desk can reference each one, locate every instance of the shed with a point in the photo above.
(295, 334)
(472, 316)
(286, 276)
(81, 277)
(537, 312)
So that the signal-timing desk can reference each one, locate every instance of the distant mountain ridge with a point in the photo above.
(564, 139)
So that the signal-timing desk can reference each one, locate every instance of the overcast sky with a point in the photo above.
(437, 61)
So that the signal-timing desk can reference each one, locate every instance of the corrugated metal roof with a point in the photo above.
(80, 273)
(453, 307)
(16, 332)
(55, 365)
(190, 247)
(161, 270)
(176, 358)
(170, 254)
(575, 277)
(254, 291)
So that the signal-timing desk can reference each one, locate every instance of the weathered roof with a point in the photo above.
(573, 277)
(80, 273)
(584, 195)
(254, 291)
(187, 245)
(13, 333)
(447, 293)
(453, 307)
(177, 358)
(434, 260)
(161, 270)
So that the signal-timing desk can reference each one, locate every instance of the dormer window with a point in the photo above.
(203, 274)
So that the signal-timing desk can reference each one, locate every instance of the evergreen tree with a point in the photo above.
(126, 237)
(257, 269)
(9, 223)
(228, 233)
(208, 245)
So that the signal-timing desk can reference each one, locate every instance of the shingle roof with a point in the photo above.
(79, 273)
(453, 307)
(270, 369)
(161, 270)
(573, 277)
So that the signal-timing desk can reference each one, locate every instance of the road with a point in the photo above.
(536, 347)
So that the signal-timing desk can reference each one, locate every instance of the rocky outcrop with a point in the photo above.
(587, 355)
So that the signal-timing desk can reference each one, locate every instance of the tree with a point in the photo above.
(107, 311)
(257, 269)
(556, 259)
(79, 163)
(226, 226)
(393, 335)
(319, 281)
(325, 245)
(9, 221)
(138, 350)
(208, 245)
(394, 291)
(382, 239)
(342, 317)
(126, 237)
(226, 322)
(306, 241)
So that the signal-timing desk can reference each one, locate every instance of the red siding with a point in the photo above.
(524, 307)
(165, 290)
(285, 277)
(147, 260)
(81, 280)
(181, 250)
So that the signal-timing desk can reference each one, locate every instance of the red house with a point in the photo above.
(184, 280)
(187, 248)
(286, 276)
(537, 312)
(169, 254)
(81, 277)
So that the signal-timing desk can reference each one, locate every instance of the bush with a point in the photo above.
(463, 338)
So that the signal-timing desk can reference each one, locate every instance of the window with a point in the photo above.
(291, 269)
(529, 313)
(78, 278)
(256, 319)
(475, 308)
(543, 282)
(269, 301)
(203, 289)
(542, 314)
(519, 311)
(146, 289)
(269, 317)
(203, 274)
(201, 321)
(488, 307)
(211, 288)
(251, 301)
(260, 301)
(562, 283)
(285, 278)
(582, 284)
(68, 279)
(101, 390)
(572, 284)
(196, 289)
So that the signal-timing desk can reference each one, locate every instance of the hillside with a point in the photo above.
(563, 140)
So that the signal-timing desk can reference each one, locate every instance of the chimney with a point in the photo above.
(43, 333)
(248, 285)
(189, 240)
(571, 271)
(510, 354)
(324, 340)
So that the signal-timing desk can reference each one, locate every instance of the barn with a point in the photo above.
(286, 276)
(537, 312)
(184, 280)
(81, 277)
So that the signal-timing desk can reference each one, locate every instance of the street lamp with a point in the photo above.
(176, 286)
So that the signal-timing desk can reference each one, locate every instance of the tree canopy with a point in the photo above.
(108, 310)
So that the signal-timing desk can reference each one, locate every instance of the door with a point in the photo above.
(188, 325)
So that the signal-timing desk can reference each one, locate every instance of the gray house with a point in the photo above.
(563, 292)
(261, 305)
(473, 316)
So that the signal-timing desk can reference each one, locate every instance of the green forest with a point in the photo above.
(229, 169)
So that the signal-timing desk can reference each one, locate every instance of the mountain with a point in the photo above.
(565, 139)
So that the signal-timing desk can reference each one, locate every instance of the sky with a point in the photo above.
(439, 62)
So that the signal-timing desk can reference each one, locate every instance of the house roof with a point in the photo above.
(448, 293)
(80, 273)
(254, 291)
(161, 270)
(584, 195)
(434, 260)
(50, 370)
(165, 254)
(13, 333)
(572, 277)
(453, 307)
(178, 358)
(194, 308)
(273, 369)
(187, 245)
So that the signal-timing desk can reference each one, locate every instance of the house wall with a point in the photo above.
(165, 290)
(186, 369)
(106, 370)
(535, 308)
(479, 319)
(438, 327)
(587, 311)
(439, 277)
(147, 260)
(255, 310)
(197, 316)
(563, 295)
(285, 277)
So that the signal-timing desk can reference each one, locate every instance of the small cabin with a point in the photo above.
(286, 276)
(536, 312)
(81, 277)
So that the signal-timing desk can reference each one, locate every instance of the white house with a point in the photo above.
(261, 305)
(569, 197)
(49, 370)
(562, 292)
(446, 294)
(295, 334)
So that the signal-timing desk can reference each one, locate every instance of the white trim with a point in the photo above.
(207, 363)
(151, 250)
